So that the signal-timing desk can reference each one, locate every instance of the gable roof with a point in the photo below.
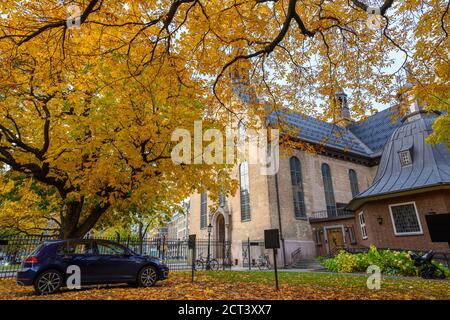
(364, 138)
(376, 129)
(430, 163)
(319, 132)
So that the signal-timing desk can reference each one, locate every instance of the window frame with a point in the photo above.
(408, 158)
(298, 193)
(203, 214)
(248, 216)
(328, 182)
(354, 183)
(362, 225)
(414, 233)
(318, 237)
(352, 235)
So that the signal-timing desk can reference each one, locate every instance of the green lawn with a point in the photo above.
(235, 285)
(348, 284)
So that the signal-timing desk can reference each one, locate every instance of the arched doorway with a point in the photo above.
(220, 235)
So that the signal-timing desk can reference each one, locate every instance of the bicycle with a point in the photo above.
(263, 262)
(202, 264)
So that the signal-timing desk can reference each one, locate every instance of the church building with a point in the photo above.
(370, 182)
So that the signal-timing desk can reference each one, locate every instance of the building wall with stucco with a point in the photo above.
(264, 204)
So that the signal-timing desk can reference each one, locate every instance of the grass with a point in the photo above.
(252, 285)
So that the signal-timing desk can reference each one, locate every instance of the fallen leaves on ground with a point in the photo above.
(232, 285)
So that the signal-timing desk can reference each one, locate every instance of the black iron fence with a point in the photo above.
(252, 251)
(175, 253)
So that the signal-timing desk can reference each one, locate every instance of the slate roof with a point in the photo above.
(365, 138)
(430, 163)
(376, 129)
(319, 132)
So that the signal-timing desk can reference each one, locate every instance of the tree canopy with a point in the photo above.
(88, 104)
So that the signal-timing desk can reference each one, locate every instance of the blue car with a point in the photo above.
(99, 262)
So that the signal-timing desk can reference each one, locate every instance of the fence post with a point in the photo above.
(249, 256)
(223, 254)
(163, 246)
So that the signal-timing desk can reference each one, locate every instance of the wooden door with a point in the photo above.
(335, 240)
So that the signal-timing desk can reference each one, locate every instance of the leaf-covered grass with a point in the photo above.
(251, 285)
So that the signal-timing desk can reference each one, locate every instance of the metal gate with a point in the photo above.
(252, 250)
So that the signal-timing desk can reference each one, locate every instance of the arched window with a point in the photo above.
(242, 130)
(328, 188)
(222, 197)
(203, 209)
(245, 195)
(353, 177)
(297, 188)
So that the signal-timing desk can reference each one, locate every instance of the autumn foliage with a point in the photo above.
(87, 112)
(239, 285)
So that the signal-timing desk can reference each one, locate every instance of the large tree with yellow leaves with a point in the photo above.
(88, 104)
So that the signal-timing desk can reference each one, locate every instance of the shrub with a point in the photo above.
(390, 262)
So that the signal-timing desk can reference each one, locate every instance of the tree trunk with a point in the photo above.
(72, 227)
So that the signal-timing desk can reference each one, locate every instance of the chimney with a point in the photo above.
(342, 112)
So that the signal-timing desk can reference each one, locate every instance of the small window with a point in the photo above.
(405, 158)
(405, 219)
(318, 237)
(351, 235)
(362, 223)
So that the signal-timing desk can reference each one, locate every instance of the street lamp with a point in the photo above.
(208, 265)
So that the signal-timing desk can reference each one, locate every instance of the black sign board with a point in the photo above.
(191, 241)
(439, 227)
(271, 239)
(3, 242)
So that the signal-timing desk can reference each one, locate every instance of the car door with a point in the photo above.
(82, 254)
(116, 262)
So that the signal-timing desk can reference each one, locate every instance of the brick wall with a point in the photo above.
(383, 235)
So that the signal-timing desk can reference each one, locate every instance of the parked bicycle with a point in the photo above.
(202, 264)
(263, 262)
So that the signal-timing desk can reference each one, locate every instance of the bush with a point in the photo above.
(390, 262)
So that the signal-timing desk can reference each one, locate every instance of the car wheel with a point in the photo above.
(48, 282)
(147, 276)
